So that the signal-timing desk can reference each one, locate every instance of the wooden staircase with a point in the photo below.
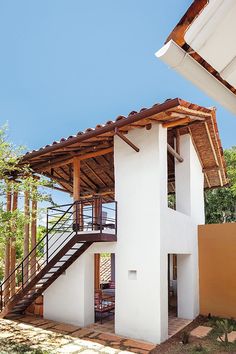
(71, 230)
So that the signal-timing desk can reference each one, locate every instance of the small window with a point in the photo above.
(132, 274)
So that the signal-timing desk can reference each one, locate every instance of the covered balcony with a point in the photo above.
(91, 219)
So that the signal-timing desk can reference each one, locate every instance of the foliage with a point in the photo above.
(220, 203)
(225, 328)
(171, 201)
(10, 346)
(199, 349)
(16, 177)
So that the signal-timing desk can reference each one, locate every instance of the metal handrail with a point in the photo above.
(25, 258)
(63, 225)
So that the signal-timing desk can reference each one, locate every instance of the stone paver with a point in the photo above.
(66, 328)
(109, 350)
(140, 345)
(231, 337)
(69, 348)
(89, 344)
(54, 337)
(176, 324)
(47, 325)
(200, 331)
(109, 337)
(83, 332)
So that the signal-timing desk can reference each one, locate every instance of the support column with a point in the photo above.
(141, 262)
(78, 210)
(189, 182)
(13, 247)
(113, 272)
(33, 264)
(26, 239)
(97, 271)
(76, 178)
(187, 296)
(7, 248)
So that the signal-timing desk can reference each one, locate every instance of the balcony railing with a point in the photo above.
(85, 218)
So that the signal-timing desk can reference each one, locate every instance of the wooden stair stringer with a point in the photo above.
(25, 291)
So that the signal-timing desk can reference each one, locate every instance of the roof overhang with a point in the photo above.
(202, 48)
(94, 147)
(178, 59)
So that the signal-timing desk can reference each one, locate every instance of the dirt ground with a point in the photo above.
(208, 344)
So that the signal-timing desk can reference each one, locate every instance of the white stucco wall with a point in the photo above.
(140, 182)
(70, 299)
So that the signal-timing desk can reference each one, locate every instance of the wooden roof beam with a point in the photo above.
(174, 153)
(185, 115)
(211, 144)
(177, 122)
(52, 163)
(126, 140)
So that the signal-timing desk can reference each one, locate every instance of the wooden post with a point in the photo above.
(76, 178)
(97, 271)
(13, 246)
(76, 192)
(26, 240)
(7, 251)
(177, 136)
(96, 213)
(33, 266)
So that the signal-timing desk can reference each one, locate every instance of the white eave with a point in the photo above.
(178, 59)
(211, 35)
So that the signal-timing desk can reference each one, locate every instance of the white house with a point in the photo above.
(134, 164)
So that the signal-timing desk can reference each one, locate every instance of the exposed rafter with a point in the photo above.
(126, 140)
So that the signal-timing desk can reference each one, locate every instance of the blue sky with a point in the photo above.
(69, 64)
(66, 65)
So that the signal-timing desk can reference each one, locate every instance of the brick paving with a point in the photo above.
(54, 337)
(200, 331)
(176, 324)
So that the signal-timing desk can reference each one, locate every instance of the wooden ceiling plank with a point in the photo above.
(109, 173)
(95, 186)
(94, 173)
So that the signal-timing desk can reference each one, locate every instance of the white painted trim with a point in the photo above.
(174, 56)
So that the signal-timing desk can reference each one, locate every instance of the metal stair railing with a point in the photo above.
(63, 222)
(23, 273)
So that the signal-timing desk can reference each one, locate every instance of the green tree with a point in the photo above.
(220, 203)
(15, 177)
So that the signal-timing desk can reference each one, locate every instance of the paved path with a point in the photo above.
(54, 337)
